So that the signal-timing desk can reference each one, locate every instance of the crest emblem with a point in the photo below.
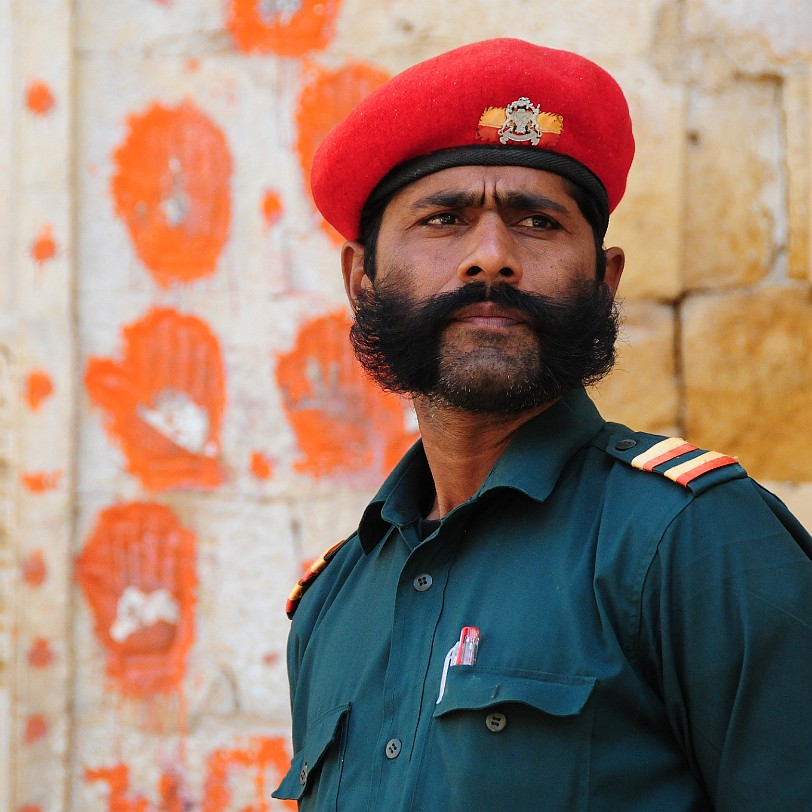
(521, 121)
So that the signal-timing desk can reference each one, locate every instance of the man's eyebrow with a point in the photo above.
(451, 199)
(527, 201)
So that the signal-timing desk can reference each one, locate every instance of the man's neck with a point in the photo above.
(462, 447)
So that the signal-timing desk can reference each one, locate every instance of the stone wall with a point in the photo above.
(182, 426)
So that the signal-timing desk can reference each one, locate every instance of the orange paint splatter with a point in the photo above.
(171, 189)
(38, 387)
(343, 422)
(34, 571)
(38, 98)
(29, 808)
(261, 466)
(283, 27)
(40, 655)
(164, 401)
(36, 728)
(260, 755)
(44, 246)
(117, 779)
(328, 98)
(137, 572)
(193, 64)
(271, 208)
(41, 481)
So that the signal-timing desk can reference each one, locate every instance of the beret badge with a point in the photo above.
(520, 121)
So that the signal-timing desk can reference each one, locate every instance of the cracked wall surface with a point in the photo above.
(182, 425)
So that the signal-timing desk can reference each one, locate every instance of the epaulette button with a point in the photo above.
(625, 445)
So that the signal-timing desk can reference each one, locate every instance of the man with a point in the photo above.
(539, 610)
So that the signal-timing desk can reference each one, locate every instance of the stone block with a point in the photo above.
(798, 117)
(642, 390)
(401, 32)
(646, 223)
(734, 194)
(748, 378)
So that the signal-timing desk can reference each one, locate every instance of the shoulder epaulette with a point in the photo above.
(674, 458)
(304, 583)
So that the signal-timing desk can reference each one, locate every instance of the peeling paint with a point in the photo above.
(271, 208)
(38, 388)
(41, 481)
(40, 654)
(117, 779)
(137, 572)
(261, 466)
(164, 401)
(326, 99)
(44, 247)
(36, 729)
(39, 98)
(171, 188)
(343, 422)
(283, 27)
(34, 570)
(260, 755)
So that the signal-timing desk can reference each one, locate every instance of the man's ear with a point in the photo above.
(352, 267)
(615, 262)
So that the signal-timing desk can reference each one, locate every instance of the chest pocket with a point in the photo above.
(315, 770)
(522, 736)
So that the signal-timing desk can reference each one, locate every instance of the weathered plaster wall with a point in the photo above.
(182, 426)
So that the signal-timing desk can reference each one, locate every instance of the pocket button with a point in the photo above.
(496, 722)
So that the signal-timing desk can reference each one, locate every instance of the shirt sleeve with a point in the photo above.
(727, 625)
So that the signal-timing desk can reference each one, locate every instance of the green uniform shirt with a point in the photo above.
(644, 645)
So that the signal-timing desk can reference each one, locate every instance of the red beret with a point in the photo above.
(497, 102)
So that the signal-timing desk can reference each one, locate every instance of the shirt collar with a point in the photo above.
(531, 463)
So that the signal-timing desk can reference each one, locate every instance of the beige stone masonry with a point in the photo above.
(748, 378)
(642, 390)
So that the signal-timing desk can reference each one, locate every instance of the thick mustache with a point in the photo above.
(442, 308)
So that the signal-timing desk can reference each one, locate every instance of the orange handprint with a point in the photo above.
(164, 401)
(171, 189)
(328, 97)
(284, 27)
(137, 572)
(343, 422)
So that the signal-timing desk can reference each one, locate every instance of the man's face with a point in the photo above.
(484, 294)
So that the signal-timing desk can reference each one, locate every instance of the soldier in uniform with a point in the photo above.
(539, 610)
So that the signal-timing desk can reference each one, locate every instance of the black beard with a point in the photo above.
(400, 344)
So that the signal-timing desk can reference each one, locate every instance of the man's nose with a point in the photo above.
(490, 254)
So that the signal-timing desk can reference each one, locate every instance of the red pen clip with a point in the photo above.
(468, 646)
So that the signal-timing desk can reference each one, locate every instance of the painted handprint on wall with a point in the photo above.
(164, 400)
(344, 423)
(171, 188)
(137, 572)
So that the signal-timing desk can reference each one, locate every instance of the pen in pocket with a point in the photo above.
(463, 652)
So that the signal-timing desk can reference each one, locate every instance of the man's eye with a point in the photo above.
(539, 221)
(445, 218)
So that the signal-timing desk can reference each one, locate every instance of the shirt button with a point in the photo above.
(303, 775)
(423, 582)
(496, 722)
(393, 748)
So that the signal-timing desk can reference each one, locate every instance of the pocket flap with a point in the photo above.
(472, 688)
(320, 735)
